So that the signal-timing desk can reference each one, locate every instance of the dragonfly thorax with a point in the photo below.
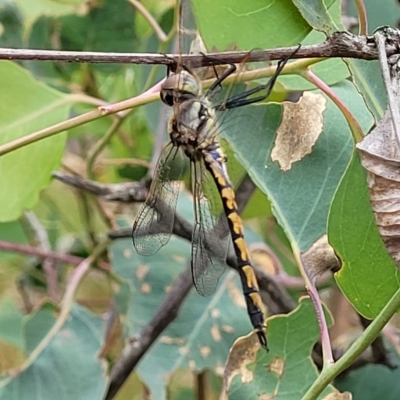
(180, 87)
(193, 125)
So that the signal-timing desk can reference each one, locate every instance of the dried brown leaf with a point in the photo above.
(320, 257)
(380, 156)
(301, 125)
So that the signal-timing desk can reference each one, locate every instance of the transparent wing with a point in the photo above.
(211, 233)
(154, 223)
(188, 34)
(190, 40)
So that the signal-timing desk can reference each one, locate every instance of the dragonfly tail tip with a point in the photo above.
(262, 339)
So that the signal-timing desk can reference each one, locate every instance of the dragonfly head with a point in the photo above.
(180, 87)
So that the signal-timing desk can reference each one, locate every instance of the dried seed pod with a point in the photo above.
(320, 257)
(380, 156)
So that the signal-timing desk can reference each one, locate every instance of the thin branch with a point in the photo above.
(393, 99)
(149, 18)
(123, 192)
(123, 161)
(340, 44)
(309, 280)
(138, 345)
(49, 266)
(362, 17)
(329, 373)
(380, 354)
(33, 251)
(144, 98)
(100, 145)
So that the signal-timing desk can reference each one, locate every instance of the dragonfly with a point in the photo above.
(194, 134)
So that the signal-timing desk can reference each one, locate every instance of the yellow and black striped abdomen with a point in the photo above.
(215, 160)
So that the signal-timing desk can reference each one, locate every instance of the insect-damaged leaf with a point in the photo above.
(252, 373)
(243, 353)
(301, 125)
(338, 396)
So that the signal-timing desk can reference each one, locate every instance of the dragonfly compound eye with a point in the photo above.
(167, 97)
(182, 82)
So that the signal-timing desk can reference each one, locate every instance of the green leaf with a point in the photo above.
(231, 25)
(368, 276)
(27, 106)
(108, 27)
(367, 76)
(11, 24)
(315, 12)
(13, 232)
(331, 71)
(376, 14)
(257, 206)
(37, 325)
(32, 9)
(68, 368)
(10, 323)
(276, 374)
(41, 36)
(301, 196)
(61, 213)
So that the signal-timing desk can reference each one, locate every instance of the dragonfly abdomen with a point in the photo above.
(215, 159)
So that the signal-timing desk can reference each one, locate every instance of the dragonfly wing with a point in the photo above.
(210, 235)
(155, 221)
(188, 33)
(190, 40)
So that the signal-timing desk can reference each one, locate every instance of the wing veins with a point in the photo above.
(155, 221)
(210, 235)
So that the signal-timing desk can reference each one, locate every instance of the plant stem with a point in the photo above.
(356, 349)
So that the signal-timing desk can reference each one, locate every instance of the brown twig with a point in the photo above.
(49, 264)
(150, 19)
(340, 44)
(123, 192)
(33, 251)
(138, 345)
